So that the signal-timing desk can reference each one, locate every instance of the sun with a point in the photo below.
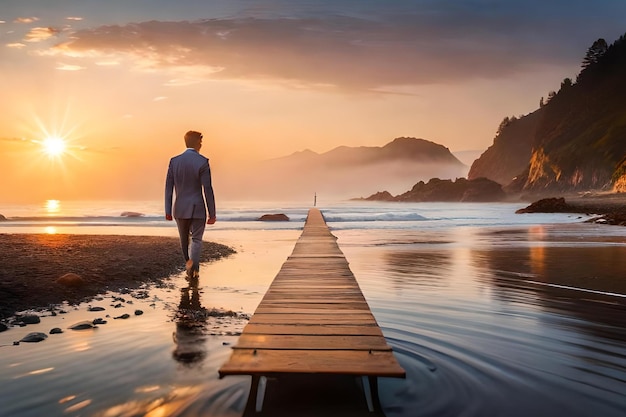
(54, 146)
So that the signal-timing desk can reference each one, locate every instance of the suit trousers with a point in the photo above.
(195, 229)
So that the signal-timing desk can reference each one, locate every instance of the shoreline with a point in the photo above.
(33, 263)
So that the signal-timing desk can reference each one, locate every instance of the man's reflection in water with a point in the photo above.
(191, 323)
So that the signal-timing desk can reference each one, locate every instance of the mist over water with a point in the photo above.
(490, 313)
(336, 181)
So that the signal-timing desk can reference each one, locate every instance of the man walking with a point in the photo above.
(189, 174)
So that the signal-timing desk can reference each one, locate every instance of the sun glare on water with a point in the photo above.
(54, 146)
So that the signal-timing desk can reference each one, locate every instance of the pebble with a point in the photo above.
(29, 319)
(56, 330)
(82, 325)
(34, 337)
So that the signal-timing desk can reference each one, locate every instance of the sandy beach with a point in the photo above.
(33, 263)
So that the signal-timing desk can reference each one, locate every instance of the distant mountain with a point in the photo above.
(399, 150)
(577, 139)
(347, 171)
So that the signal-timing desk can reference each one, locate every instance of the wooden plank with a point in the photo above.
(354, 362)
(303, 310)
(321, 308)
(315, 329)
(311, 342)
(317, 300)
(310, 319)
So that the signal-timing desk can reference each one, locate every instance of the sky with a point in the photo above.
(121, 81)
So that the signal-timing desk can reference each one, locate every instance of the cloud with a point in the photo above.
(355, 53)
(15, 45)
(74, 18)
(26, 19)
(69, 67)
(39, 34)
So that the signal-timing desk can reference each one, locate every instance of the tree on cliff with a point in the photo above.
(595, 52)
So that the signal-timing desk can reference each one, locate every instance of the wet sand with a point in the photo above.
(33, 263)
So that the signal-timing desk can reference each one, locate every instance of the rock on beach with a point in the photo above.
(29, 319)
(71, 280)
(82, 325)
(34, 337)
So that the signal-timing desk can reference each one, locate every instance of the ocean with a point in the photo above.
(491, 313)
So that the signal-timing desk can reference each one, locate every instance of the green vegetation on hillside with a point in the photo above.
(576, 138)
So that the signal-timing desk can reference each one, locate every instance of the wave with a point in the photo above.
(373, 217)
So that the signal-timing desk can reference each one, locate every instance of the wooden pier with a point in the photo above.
(313, 320)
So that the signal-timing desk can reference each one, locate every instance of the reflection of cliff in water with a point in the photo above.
(578, 281)
(191, 324)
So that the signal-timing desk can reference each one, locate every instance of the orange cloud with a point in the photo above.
(39, 34)
(26, 19)
(69, 67)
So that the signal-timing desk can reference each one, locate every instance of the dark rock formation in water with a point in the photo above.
(607, 210)
(280, 217)
(548, 205)
(461, 190)
(131, 214)
(381, 196)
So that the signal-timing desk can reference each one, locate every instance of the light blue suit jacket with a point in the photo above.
(189, 174)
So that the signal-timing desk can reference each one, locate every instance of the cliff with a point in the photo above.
(619, 177)
(577, 138)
